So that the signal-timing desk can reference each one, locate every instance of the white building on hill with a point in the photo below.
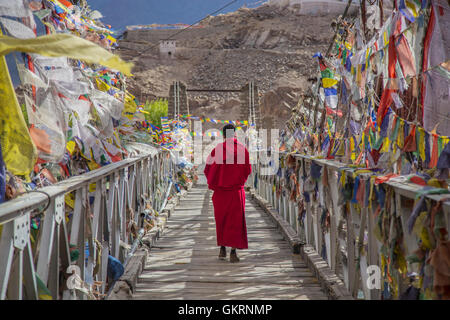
(167, 48)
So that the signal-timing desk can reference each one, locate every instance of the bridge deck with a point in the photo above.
(184, 263)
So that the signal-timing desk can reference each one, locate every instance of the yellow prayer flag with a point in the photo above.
(421, 146)
(413, 7)
(113, 40)
(352, 149)
(372, 184)
(386, 144)
(93, 165)
(362, 145)
(400, 139)
(343, 179)
(359, 73)
(445, 140)
(130, 106)
(385, 38)
(393, 153)
(341, 149)
(70, 200)
(102, 85)
(19, 152)
(328, 82)
(65, 45)
(70, 146)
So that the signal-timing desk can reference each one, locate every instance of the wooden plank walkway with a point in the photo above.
(184, 263)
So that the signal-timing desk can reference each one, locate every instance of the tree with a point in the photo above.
(156, 109)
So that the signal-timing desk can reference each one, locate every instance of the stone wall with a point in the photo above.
(316, 7)
(155, 36)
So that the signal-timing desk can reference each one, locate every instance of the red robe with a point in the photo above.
(227, 169)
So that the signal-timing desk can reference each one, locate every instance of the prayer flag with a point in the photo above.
(410, 9)
(65, 45)
(19, 152)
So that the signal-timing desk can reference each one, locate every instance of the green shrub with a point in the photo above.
(156, 109)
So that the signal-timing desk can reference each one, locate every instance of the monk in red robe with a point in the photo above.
(227, 169)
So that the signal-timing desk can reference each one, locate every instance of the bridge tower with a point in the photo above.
(250, 109)
(178, 101)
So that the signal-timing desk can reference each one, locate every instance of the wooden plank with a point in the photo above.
(212, 251)
(245, 261)
(218, 265)
(225, 267)
(232, 296)
(225, 286)
(250, 281)
(218, 274)
(210, 260)
(212, 243)
(236, 288)
(184, 262)
(197, 236)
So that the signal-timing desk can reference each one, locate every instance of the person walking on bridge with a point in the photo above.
(227, 169)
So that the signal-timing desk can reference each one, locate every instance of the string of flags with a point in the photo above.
(165, 124)
(216, 121)
(207, 134)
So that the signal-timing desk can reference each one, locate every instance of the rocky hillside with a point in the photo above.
(269, 45)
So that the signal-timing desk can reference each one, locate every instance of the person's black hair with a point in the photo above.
(228, 127)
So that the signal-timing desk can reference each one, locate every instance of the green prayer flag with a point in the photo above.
(327, 73)
(440, 145)
(394, 133)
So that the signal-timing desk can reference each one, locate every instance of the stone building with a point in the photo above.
(167, 48)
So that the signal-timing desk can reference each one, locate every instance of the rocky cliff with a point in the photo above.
(270, 45)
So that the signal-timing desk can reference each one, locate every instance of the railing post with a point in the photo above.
(363, 258)
(292, 220)
(317, 229)
(285, 208)
(138, 186)
(334, 209)
(115, 220)
(123, 185)
(15, 284)
(132, 190)
(373, 251)
(271, 196)
(351, 263)
(309, 224)
(7, 250)
(53, 270)
(46, 242)
(29, 273)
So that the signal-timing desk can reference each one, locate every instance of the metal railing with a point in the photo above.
(341, 232)
(87, 219)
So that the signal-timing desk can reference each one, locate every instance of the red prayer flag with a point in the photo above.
(410, 142)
